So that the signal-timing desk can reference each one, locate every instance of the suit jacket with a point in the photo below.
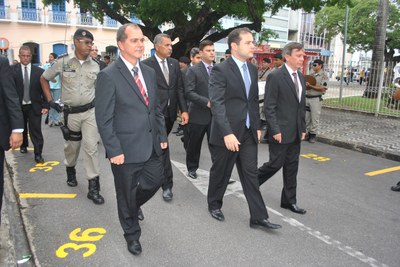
(172, 93)
(196, 91)
(10, 110)
(229, 104)
(283, 111)
(126, 125)
(35, 89)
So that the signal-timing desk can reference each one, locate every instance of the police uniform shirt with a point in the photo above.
(77, 79)
(322, 80)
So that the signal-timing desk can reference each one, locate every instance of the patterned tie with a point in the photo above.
(296, 84)
(165, 71)
(209, 68)
(247, 85)
(26, 86)
(140, 85)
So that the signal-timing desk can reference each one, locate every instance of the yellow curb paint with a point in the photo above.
(378, 172)
(38, 195)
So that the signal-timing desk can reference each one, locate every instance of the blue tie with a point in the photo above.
(247, 84)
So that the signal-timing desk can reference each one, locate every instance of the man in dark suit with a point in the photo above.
(11, 118)
(170, 95)
(27, 81)
(235, 129)
(196, 92)
(132, 128)
(284, 105)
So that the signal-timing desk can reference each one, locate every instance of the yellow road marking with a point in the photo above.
(36, 195)
(383, 171)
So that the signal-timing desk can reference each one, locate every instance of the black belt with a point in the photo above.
(79, 109)
(313, 96)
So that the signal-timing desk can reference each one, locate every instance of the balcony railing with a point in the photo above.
(85, 19)
(109, 22)
(29, 14)
(4, 12)
(61, 17)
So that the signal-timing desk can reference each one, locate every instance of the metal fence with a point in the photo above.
(364, 86)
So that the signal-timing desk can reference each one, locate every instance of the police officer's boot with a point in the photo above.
(311, 138)
(71, 177)
(94, 189)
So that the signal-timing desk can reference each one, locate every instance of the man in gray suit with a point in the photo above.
(285, 108)
(132, 128)
(11, 118)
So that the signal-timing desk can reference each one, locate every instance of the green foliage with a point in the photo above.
(266, 35)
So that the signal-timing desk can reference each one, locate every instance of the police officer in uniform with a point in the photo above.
(78, 73)
(314, 95)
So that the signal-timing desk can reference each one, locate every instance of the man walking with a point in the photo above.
(27, 81)
(170, 95)
(235, 129)
(284, 103)
(78, 73)
(132, 128)
(11, 118)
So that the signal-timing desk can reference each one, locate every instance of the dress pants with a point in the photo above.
(168, 174)
(246, 164)
(1, 178)
(286, 156)
(135, 184)
(195, 140)
(33, 123)
(84, 122)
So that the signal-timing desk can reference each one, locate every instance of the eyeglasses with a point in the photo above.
(86, 42)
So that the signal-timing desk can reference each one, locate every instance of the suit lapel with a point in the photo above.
(129, 78)
(288, 78)
(149, 84)
(170, 69)
(238, 74)
(204, 71)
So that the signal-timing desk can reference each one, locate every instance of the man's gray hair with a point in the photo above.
(287, 50)
(194, 51)
(121, 35)
(158, 38)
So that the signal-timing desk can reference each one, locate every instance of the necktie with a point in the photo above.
(209, 68)
(140, 85)
(296, 84)
(165, 71)
(26, 86)
(247, 85)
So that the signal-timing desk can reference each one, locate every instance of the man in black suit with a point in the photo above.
(27, 81)
(196, 92)
(235, 129)
(132, 128)
(11, 118)
(170, 95)
(284, 106)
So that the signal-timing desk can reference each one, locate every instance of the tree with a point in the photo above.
(190, 20)
(363, 19)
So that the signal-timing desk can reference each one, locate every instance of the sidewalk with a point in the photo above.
(357, 131)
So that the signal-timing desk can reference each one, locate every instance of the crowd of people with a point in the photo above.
(132, 105)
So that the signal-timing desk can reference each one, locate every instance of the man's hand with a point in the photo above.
(303, 136)
(259, 136)
(164, 145)
(45, 110)
(231, 142)
(278, 137)
(185, 118)
(15, 140)
(118, 160)
(56, 106)
(209, 104)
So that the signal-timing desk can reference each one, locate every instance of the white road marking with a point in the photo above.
(201, 183)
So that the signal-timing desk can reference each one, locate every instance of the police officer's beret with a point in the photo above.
(278, 56)
(81, 33)
(318, 61)
(184, 59)
(267, 60)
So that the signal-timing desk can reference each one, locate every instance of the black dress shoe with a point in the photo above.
(396, 188)
(294, 208)
(134, 247)
(192, 174)
(39, 158)
(23, 150)
(167, 195)
(264, 224)
(140, 215)
(217, 214)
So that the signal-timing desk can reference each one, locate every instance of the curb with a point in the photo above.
(17, 231)
(359, 148)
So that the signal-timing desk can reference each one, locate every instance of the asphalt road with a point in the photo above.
(352, 219)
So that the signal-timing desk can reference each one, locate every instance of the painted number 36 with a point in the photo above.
(89, 235)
